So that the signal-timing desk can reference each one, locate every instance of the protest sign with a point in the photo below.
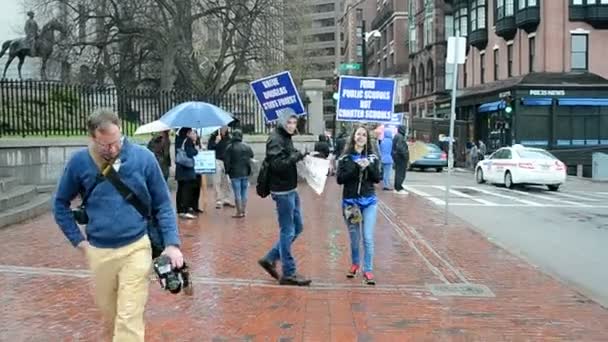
(365, 99)
(314, 171)
(204, 162)
(277, 93)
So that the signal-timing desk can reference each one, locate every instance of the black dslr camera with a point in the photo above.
(172, 279)
(80, 215)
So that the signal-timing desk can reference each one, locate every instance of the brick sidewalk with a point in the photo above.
(434, 284)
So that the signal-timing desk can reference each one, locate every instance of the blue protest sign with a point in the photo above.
(396, 120)
(366, 99)
(276, 93)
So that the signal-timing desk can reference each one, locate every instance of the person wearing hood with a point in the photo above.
(386, 147)
(282, 157)
(237, 161)
(401, 156)
(322, 146)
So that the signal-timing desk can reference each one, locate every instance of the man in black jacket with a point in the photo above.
(218, 142)
(401, 156)
(237, 162)
(282, 158)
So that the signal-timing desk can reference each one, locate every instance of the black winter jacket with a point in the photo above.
(400, 150)
(183, 173)
(350, 175)
(219, 148)
(237, 159)
(282, 157)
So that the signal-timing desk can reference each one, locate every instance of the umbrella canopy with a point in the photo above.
(196, 115)
(152, 127)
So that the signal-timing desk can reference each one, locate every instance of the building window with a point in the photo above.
(428, 30)
(449, 74)
(579, 48)
(460, 21)
(449, 26)
(390, 33)
(527, 3)
(482, 68)
(504, 8)
(413, 83)
(421, 79)
(510, 60)
(496, 69)
(430, 79)
(413, 34)
(478, 15)
(531, 53)
(465, 75)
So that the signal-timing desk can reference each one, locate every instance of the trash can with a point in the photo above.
(600, 166)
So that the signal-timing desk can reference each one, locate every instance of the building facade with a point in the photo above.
(388, 54)
(534, 74)
(430, 23)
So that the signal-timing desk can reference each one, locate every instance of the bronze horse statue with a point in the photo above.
(44, 47)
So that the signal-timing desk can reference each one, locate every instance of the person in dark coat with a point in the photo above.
(322, 147)
(237, 161)
(160, 145)
(185, 176)
(218, 142)
(401, 156)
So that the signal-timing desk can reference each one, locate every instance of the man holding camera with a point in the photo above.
(116, 245)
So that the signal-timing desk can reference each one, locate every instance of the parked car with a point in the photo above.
(432, 158)
(517, 165)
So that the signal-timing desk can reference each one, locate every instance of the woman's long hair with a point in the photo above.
(370, 147)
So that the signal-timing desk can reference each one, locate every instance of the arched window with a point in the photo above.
(413, 84)
(430, 76)
(421, 84)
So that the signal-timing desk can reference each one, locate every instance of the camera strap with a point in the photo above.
(114, 178)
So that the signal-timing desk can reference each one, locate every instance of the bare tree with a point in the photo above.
(135, 40)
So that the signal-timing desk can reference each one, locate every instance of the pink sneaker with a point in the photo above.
(369, 278)
(354, 269)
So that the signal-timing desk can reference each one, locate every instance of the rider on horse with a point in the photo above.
(31, 33)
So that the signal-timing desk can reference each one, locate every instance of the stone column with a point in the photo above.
(314, 90)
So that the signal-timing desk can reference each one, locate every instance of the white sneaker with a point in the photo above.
(401, 192)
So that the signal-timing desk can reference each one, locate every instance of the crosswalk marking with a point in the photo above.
(483, 196)
(547, 198)
(532, 203)
(463, 195)
(425, 195)
(590, 199)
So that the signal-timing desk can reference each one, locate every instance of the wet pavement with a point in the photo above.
(435, 283)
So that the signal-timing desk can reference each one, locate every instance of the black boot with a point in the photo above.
(295, 280)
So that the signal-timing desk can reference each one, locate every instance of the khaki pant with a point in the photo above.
(121, 277)
(222, 186)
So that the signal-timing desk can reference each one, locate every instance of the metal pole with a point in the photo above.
(364, 48)
(451, 141)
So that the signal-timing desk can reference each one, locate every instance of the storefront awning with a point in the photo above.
(536, 101)
(491, 106)
(583, 101)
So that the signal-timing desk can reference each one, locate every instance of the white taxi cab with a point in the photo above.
(521, 165)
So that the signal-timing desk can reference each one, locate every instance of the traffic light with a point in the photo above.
(336, 86)
(508, 107)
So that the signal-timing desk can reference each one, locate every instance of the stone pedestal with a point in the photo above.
(314, 90)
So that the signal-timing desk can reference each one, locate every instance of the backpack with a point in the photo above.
(262, 187)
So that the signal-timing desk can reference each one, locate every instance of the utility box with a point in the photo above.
(600, 166)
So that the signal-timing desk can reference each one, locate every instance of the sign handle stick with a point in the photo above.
(451, 142)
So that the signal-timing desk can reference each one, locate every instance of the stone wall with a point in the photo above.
(40, 161)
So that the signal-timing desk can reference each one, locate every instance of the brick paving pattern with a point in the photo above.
(45, 290)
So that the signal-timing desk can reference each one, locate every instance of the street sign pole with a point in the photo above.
(456, 55)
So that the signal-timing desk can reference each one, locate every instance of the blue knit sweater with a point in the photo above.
(113, 222)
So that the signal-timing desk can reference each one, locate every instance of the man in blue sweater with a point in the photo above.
(116, 242)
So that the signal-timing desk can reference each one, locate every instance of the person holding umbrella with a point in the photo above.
(185, 174)
(218, 142)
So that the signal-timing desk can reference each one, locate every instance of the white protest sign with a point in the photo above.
(314, 170)
(204, 162)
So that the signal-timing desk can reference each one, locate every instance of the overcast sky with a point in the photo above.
(11, 18)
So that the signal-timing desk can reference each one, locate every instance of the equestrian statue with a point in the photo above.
(37, 43)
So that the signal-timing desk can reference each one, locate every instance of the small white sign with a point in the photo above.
(204, 162)
(457, 47)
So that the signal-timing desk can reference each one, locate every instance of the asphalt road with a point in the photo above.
(564, 233)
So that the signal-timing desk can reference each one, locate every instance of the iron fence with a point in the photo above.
(34, 108)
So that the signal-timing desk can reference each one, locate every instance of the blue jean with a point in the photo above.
(290, 225)
(368, 226)
(240, 186)
(386, 174)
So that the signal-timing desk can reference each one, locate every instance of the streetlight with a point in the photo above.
(366, 37)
